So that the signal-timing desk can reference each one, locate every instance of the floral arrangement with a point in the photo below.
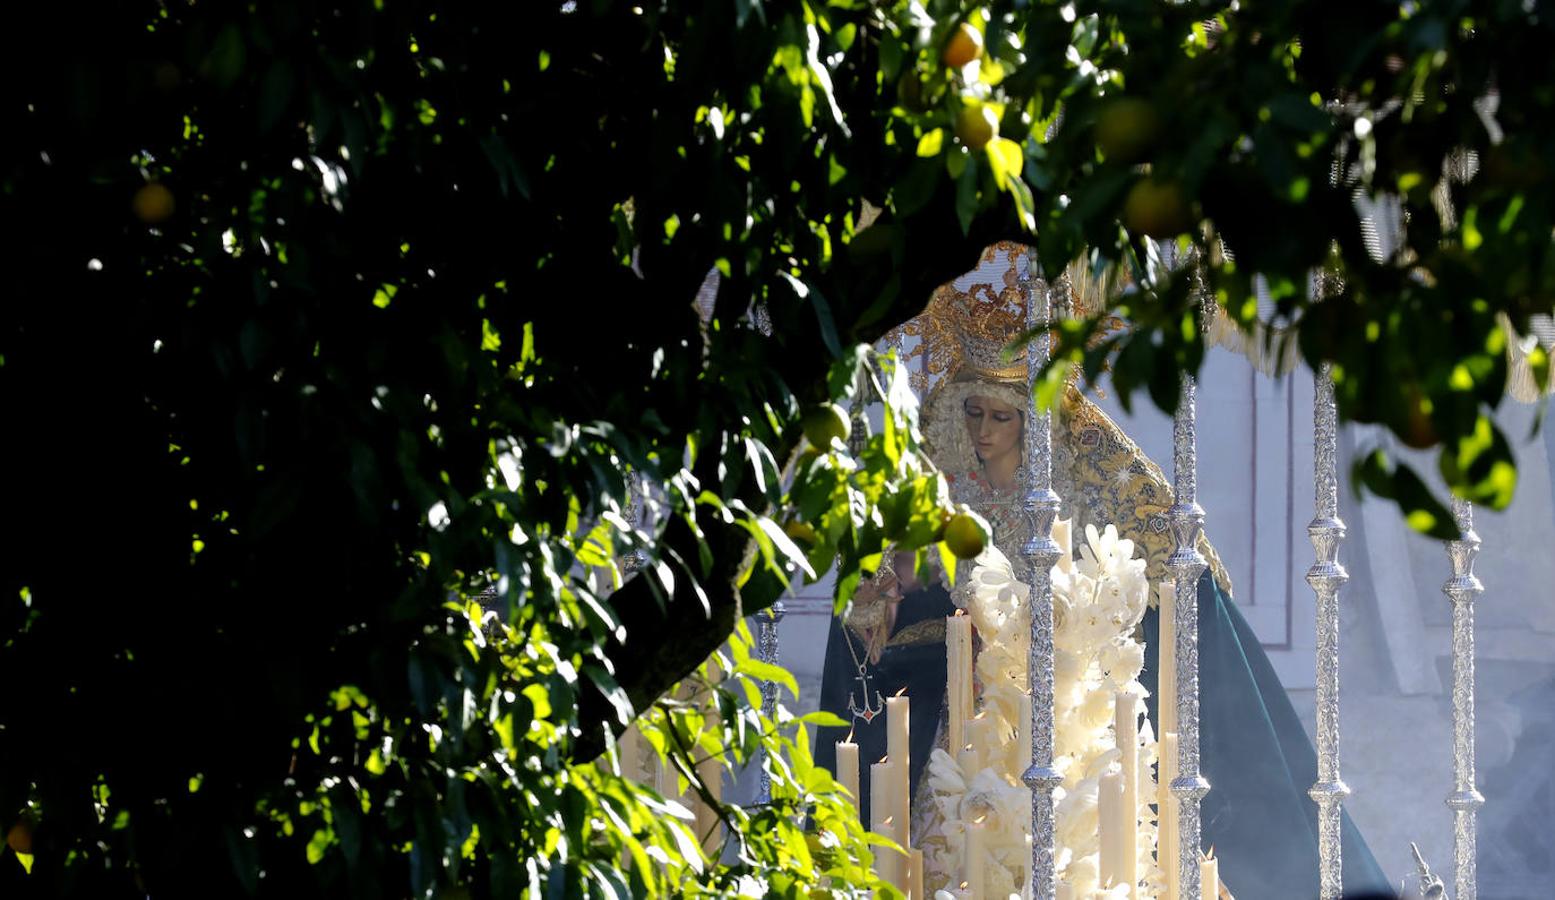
(1098, 599)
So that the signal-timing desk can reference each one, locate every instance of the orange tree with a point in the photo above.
(322, 320)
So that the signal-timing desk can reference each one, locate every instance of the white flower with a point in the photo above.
(1063, 536)
(1098, 599)
(1077, 815)
(1122, 660)
(1100, 553)
(945, 776)
(1066, 667)
(1081, 874)
(1096, 711)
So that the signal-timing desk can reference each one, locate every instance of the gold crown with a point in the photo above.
(983, 321)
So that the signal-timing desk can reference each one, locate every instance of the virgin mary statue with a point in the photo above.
(1254, 750)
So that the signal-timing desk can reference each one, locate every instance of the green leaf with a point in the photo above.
(786, 544)
(823, 719)
(1480, 466)
(612, 692)
(966, 198)
(1422, 511)
(947, 561)
(915, 189)
(766, 671)
(1051, 384)
(932, 142)
(845, 36)
(318, 845)
(1006, 159)
(275, 94)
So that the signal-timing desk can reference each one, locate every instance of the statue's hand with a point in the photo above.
(882, 635)
(873, 616)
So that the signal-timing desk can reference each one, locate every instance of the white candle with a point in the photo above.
(896, 710)
(980, 733)
(972, 875)
(847, 768)
(1029, 892)
(1109, 808)
(1166, 848)
(958, 663)
(1209, 878)
(915, 875)
(710, 773)
(663, 777)
(1166, 718)
(897, 750)
(1166, 677)
(629, 745)
(1126, 728)
(880, 821)
(1063, 536)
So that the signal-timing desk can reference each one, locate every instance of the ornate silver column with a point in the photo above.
(1040, 505)
(767, 652)
(1326, 577)
(1186, 565)
(1465, 800)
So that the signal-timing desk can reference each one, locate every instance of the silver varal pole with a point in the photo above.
(1040, 505)
(767, 652)
(1462, 589)
(1326, 577)
(1187, 564)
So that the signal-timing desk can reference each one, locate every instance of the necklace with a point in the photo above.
(867, 713)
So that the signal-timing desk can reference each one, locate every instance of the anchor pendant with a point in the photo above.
(867, 713)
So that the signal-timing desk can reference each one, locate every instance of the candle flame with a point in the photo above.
(959, 613)
(979, 820)
(900, 692)
(1211, 853)
(849, 738)
(885, 759)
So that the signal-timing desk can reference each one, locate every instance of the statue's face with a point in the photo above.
(994, 426)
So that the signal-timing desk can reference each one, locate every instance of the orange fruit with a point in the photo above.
(1416, 429)
(965, 45)
(19, 837)
(964, 536)
(1126, 129)
(824, 423)
(153, 203)
(1157, 208)
(976, 126)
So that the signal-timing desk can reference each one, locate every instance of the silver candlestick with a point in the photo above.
(1040, 506)
(1326, 577)
(1465, 800)
(1187, 564)
(767, 652)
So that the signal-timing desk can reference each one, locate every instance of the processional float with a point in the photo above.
(1326, 577)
